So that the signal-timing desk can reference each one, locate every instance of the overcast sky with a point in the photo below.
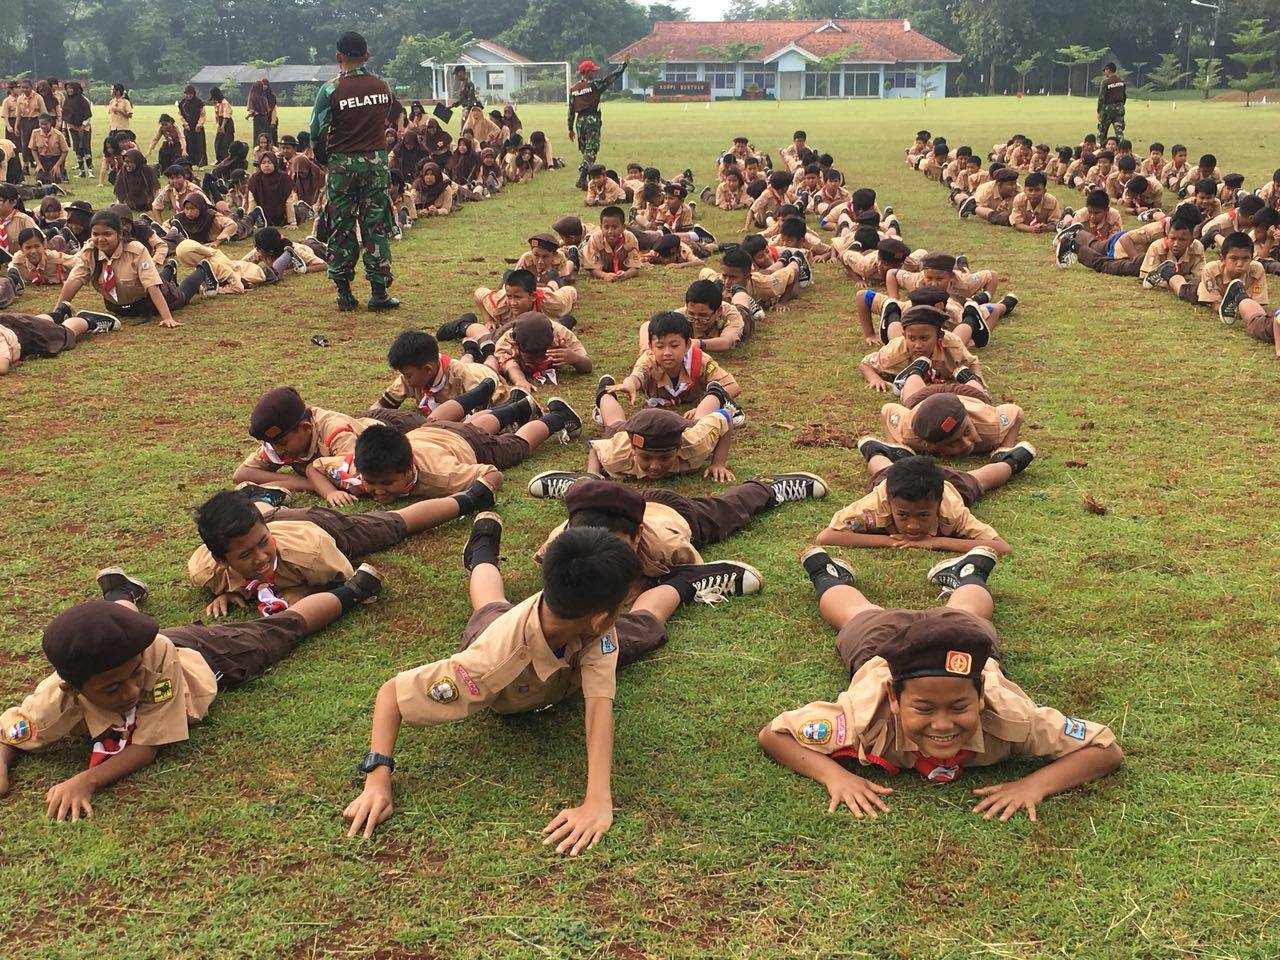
(703, 9)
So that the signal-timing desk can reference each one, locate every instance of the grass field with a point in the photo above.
(1157, 617)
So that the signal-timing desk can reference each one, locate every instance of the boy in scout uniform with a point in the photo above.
(1236, 284)
(29, 336)
(936, 421)
(602, 190)
(923, 348)
(718, 324)
(13, 218)
(766, 206)
(294, 434)
(673, 372)
(253, 550)
(1034, 210)
(520, 293)
(791, 152)
(515, 658)
(927, 693)
(532, 349)
(443, 388)
(966, 296)
(442, 459)
(772, 289)
(547, 261)
(611, 253)
(1176, 260)
(992, 201)
(913, 502)
(134, 688)
(1098, 220)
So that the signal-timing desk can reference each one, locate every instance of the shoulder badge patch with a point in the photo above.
(1074, 728)
(162, 692)
(444, 690)
(465, 678)
(607, 646)
(19, 731)
(815, 732)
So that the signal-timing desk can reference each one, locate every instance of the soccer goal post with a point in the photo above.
(544, 81)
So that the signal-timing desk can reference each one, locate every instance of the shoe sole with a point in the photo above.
(370, 570)
(119, 571)
(844, 565)
(567, 431)
(951, 561)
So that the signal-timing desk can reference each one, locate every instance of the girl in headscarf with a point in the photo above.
(278, 255)
(76, 113)
(490, 174)
(510, 120)
(262, 109)
(519, 168)
(201, 222)
(119, 109)
(150, 235)
(542, 150)
(226, 124)
(52, 106)
(136, 182)
(112, 155)
(463, 161)
(271, 191)
(172, 145)
(434, 191)
(191, 109)
(262, 146)
(409, 154)
(216, 180)
(436, 140)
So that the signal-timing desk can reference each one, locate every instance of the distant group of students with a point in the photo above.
(926, 688)
(1181, 211)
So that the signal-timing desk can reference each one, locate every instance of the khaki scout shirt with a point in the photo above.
(30, 106)
(52, 144)
(768, 202)
(597, 254)
(870, 269)
(306, 556)
(134, 270)
(168, 202)
(690, 384)
(1212, 283)
(509, 668)
(860, 724)
(456, 378)
(445, 462)
(304, 252)
(872, 514)
(948, 356)
(665, 540)
(561, 266)
(988, 195)
(697, 443)
(51, 270)
(994, 424)
(550, 303)
(14, 224)
(1190, 266)
(608, 192)
(333, 434)
(727, 196)
(1022, 213)
(177, 688)
(726, 321)
(562, 338)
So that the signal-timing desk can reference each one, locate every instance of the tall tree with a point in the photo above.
(1257, 51)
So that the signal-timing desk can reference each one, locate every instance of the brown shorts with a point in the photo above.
(1261, 327)
(356, 534)
(504, 450)
(37, 336)
(237, 652)
(966, 484)
(875, 630)
(480, 620)
(959, 389)
(999, 219)
(402, 420)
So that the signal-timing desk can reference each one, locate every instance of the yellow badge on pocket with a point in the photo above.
(162, 692)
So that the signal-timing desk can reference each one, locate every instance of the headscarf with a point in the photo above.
(430, 193)
(434, 138)
(76, 107)
(262, 99)
(46, 94)
(136, 188)
(462, 164)
(510, 119)
(236, 159)
(272, 190)
(190, 107)
(201, 228)
(410, 153)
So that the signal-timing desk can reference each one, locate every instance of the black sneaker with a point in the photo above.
(73, 245)
(524, 408)
(486, 526)
(977, 323)
(969, 375)
(552, 484)
(816, 561)
(1161, 275)
(169, 271)
(6, 258)
(967, 208)
(753, 308)
(257, 218)
(487, 347)
(176, 225)
(707, 195)
(1068, 212)
(455, 329)
(1229, 305)
(874, 447)
(365, 583)
(1064, 246)
(573, 422)
(113, 580)
(472, 346)
(805, 277)
(716, 582)
(100, 322)
(947, 574)
(888, 210)
(208, 282)
(403, 219)
(890, 314)
(921, 367)
(955, 192)
(257, 493)
(298, 265)
(15, 278)
(792, 487)
(687, 174)
(1010, 300)
(303, 211)
(962, 262)
(1018, 457)
(1146, 216)
(703, 234)
(568, 321)
(601, 386)
(717, 390)
(981, 297)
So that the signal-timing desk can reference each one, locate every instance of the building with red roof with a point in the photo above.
(881, 58)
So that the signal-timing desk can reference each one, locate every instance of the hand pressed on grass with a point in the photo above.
(1006, 799)
(579, 828)
(861, 796)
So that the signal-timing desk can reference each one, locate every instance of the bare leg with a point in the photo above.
(842, 603)
(877, 463)
(611, 411)
(425, 514)
(992, 476)
(450, 411)
(319, 610)
(660, 602)
(973, 599)
(485, 586)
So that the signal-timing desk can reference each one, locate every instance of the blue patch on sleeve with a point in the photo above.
(1074, 728)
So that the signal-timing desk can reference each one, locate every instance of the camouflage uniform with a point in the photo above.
(584, 108)
(358, 193)
(1111, 114)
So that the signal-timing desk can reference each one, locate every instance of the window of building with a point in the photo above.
(496, 79)
(722, 77)
(821, 84)
(764, 77)
(861, 83)
(680, 72)
(905, 79)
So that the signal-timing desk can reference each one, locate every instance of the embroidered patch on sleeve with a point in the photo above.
(19, 731)
(815, 732)
(444, 690)
(1074, 728)
(607, 646)
(465, 678)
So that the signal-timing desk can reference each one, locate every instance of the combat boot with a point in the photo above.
(346, 299)
(379, 299)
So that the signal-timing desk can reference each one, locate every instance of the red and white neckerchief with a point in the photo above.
(937, 771)
(113, 739)
(4, 234)
(265, 590)
(346, 476)
(677, 387)
(430, 395)
(44, 142)
(671, 217)
(613, 253)
(109, 282)
(545, 372)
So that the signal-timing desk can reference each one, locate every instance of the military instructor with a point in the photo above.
(348, 128)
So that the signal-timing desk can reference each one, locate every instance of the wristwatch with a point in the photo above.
(373, 760)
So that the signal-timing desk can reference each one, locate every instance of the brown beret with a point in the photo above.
(922, 314)
(277, 411)
(546, 241)
(892, 247)
(1004, 175)
(927, 296)
(677, 189)
(533, 331)
(94, 637)
(568, 224)
(605, 496)
(938, 417)
(939, 261)
(939, 647)
(654, 430)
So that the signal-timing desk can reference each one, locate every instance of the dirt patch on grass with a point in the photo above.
(820, 435)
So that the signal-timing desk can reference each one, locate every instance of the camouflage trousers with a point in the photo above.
(589, 137)
(357, 188)
(1111, 114)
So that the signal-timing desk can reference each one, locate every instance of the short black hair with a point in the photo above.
(812, 168)
(1266, 217)
(667, 245)
(1035, 179)
(668, 321)
(1098, 200)
(793, 227)
(612, 521)
(1208, 160)
(652, 173)
(1207, 186)
(1178, 148)
(799, 135)
(706, 292)
(533, 334)
(914, 478)
(1110, 65)
(30, 233)
(753, 243)
(738, 259)
(587, 570)
(615, 212)
(1124, 144)
(223, 517)
(868, 236)
(1138, 185)
(382, 450)
(1127, 162)
(864, 198)
(522, 278)
(780, 179)
(1249, 205)
(412, 348)
(1184, 219)
(1155, 145)
(1237, 239)
(270, 240)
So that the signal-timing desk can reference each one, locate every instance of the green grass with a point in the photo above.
(1157, 618)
